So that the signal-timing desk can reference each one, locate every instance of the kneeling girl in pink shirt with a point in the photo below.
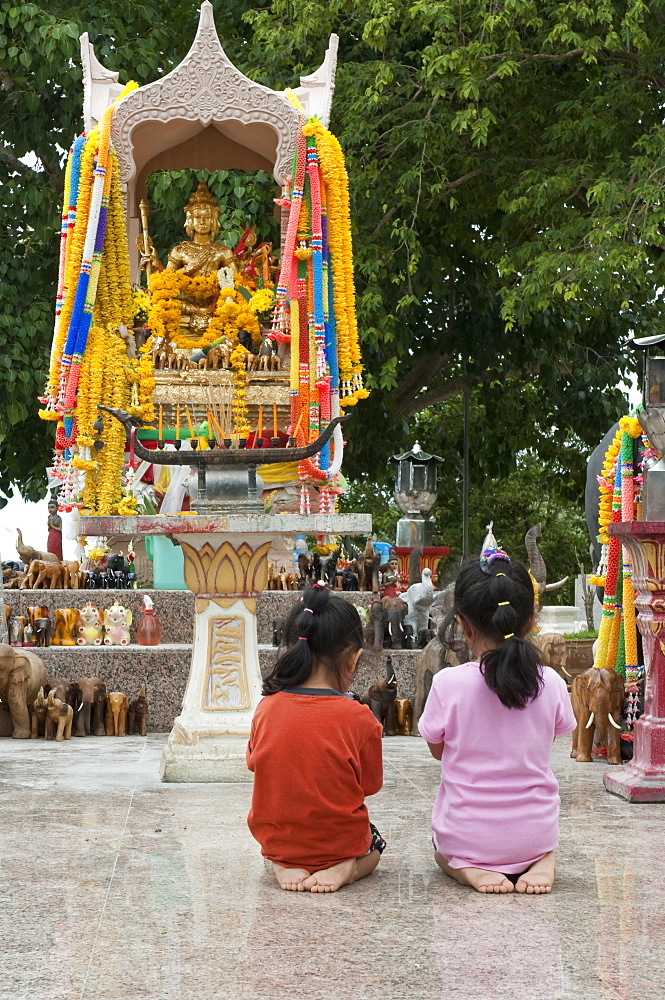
(491, 723)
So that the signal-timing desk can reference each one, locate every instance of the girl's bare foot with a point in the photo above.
(344, 873)
(291, 879)
(477, 878)
(539, 878)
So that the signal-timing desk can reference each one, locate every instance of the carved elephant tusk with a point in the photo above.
(590, 722)
(612, 722)
(566, 672)
(555, 586)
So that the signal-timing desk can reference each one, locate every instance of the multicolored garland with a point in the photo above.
(315, 299)
(617, 647)
(90, 362)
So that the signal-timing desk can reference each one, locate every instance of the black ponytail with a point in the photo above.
(320, 627)
(500, 606)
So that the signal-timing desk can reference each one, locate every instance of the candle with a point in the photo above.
(177, 422)
(274, 420)
(259, 432)
(161, 419)
(189, 421)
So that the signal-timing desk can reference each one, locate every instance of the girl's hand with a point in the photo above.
(436, 750)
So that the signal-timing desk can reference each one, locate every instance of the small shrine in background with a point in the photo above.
(226, 347)
(211, 414)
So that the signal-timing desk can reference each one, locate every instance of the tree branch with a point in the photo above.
(454, 386)
(422, 372)
(541, 57)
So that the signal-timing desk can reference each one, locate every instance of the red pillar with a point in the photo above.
(643, 778)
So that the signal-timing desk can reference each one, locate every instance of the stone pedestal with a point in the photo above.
(643, 778)
(226, 567)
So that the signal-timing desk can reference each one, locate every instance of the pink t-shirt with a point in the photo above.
(498, 803)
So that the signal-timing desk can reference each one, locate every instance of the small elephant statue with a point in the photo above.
(277, 631)
(381, 699)
(66, 620)
(403, 717)
(90, 706)
(63, 689)
(553, 652)
(38, 721)
(71, 575)
(116, 625)
(378, 623)
(22, 674)
(396, 610)
(89, 628)
(138, 714)
(39, 572)
(597, 697)
(59, 717)
(43, 628)
(116, 713)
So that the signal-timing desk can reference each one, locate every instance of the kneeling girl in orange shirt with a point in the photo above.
(316, 753)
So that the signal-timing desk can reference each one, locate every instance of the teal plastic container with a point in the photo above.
(167, 563)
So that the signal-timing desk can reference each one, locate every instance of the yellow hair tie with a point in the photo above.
(509, 636)
(499, 574)
(502, 603)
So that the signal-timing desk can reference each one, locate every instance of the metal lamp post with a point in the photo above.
(416, 474)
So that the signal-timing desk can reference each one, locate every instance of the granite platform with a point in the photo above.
(165, 668)
(118, 887)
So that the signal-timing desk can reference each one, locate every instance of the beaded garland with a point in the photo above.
(315, 298)
(89, 360)
(617, 647)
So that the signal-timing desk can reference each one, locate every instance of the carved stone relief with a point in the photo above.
(206, 87)
(226, 682)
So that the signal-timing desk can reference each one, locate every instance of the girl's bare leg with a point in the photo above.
(344, 873)
(539, 878)
(291, 879)
(477, 878)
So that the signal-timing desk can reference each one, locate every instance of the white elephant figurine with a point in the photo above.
(89, 627)
(116, 624)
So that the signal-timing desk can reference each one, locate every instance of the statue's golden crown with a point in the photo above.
(201, 196)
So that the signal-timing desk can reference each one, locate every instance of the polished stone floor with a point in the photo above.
(114, 887)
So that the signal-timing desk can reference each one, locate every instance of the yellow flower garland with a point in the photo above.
(239, 403)
(167, 288)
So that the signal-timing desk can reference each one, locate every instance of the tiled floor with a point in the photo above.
(114, 887)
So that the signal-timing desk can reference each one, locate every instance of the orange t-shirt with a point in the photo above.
(315, 756)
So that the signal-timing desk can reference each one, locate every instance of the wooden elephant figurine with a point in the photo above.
(66, 620)
(22, 674)
(40, 571)
(597, 697)
(381, 700)
(59, 717)
(553, 652)
(377, 625)
(116, 713)
(396, 610)
(38, 720)
(91, 704)
(71, 575)
(43, 628)
(63, 689)
(403, 717)
(138, 714)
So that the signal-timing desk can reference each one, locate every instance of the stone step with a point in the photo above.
(164, 670)
(174, 609)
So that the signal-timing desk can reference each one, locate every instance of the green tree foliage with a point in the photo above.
(534, 491)
(506, 167)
